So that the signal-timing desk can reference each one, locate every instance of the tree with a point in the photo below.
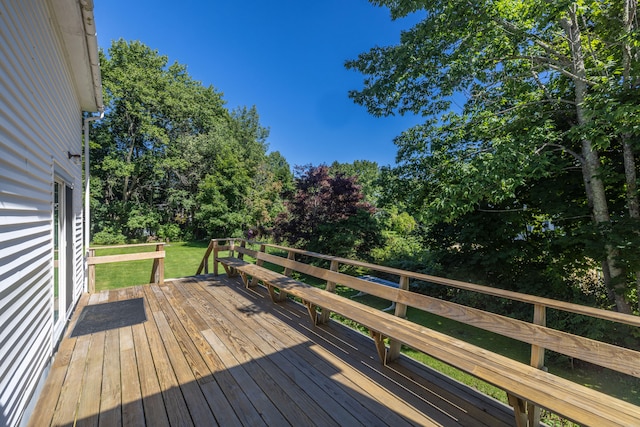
(327, 214)
(547, 87)
(367, 173)
(170, 159)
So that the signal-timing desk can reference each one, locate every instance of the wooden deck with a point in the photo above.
(214, 353)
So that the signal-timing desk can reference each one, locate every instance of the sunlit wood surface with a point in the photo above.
(214, 353)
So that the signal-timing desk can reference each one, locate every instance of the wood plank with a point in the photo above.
(197, 365)
(125, 257)
(222, 410)
(152, 402)
(436, 391)
(445, 412)
(173, 399)
(65, 411)
(330, 378)
(287, 360)
(111, 394)
(459, 403)
(196, 348)
(89, 406)
(204, 264)
(193, 396)
(606, 355)
(269, 412)
(298, 407)
(469, 358)
(264, 406)
(133, 245)
(50, 394)
(132, 410)
(244, 410)
(154, 409)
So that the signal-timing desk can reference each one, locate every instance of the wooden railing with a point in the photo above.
(535, 333)
(157, 269)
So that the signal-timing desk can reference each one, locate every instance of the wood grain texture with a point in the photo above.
(218, 353)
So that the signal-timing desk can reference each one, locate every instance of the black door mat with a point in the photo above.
(111, 315)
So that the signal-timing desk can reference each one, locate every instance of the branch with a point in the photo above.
(510, 27)
(541, 85)
(554, 66)
(577, 156)
(590, 45)
(500, 210)
(542, 101)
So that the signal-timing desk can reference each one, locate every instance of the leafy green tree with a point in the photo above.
(547, 87)
(170, 159)
(149, 104)
(367, 173)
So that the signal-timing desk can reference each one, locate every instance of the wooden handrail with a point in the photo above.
(569, 307)
(106, 259)
(133, 245)
(157, 269)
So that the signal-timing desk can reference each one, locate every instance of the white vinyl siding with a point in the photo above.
(40, 121)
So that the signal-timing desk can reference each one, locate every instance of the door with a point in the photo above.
(62, 254)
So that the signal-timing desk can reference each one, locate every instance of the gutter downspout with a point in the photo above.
(87, 196)
(91, 38)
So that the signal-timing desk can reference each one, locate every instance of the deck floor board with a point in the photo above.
(212, 352)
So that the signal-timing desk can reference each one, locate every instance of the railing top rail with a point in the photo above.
(133, 245)
(627, 319)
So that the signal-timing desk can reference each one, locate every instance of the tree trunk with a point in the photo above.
(591, 160)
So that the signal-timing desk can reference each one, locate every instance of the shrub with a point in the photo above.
(108, 237)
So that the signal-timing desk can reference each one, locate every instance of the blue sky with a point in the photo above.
(285, 57)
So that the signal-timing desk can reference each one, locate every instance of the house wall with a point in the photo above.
(40, 121)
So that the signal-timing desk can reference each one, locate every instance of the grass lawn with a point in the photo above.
(183, 259)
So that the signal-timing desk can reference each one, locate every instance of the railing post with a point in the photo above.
(160, 272)
(92, 272)
(157, 270)
(331, 287)
(537, 360)
(214, 245)
(401, 311)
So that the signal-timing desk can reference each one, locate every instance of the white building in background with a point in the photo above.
(49, 76)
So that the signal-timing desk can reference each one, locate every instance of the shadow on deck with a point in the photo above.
(214, 353)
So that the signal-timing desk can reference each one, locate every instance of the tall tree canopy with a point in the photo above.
(550, 102)
(170, 160)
